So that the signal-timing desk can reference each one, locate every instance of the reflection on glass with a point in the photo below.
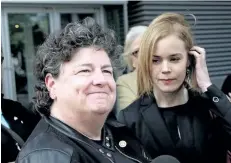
(27, 32)
(115, 20)
(68, 18)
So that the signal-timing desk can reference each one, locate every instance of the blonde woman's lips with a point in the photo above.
(167, 81)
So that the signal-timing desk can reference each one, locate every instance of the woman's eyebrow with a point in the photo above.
(85, 65)
(106, 66)
(176, 54)
(91, 65)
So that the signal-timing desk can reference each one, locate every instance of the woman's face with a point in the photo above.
(86, 83)
(169, 64)
(134, 50)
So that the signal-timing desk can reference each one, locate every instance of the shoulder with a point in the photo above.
(198, 100)
(200, 104)
(14, 108)
(9, 105)
(226, 88)
(125, 79)
(134, 107)
(45, 155)
(131, 113)
(45, 147)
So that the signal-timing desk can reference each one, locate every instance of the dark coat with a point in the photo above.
(55, 142)
(21, 121)
(226, 86)
(203, 139)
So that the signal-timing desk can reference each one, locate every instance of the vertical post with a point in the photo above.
(103, 17)
(125, 9)
(29, 58)
(54, 20)
(8, 78)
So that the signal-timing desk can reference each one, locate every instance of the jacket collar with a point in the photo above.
(147, 100)
(156, 124)
(107, 137)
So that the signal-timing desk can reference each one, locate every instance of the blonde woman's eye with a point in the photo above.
(156, 60)
(174, 59)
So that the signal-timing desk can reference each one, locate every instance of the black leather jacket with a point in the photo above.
(54, 142)
(21, 122)
(203, 139)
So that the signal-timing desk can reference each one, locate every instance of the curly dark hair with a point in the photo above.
(61, 46)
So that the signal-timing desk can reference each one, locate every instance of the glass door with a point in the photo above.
(23, 30)
(26, 31)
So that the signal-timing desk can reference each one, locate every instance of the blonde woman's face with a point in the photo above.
(134, 50)
(169, 64)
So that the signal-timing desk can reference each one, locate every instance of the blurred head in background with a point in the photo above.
(131, 46)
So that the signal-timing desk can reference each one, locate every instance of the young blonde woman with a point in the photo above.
(179, 111)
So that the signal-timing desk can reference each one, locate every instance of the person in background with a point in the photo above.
(75, 93)
(17, 123)
(179, 111)
(226, 86)
(126, 84)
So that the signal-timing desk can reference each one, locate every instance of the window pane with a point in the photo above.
(68, 18)
(27, 32)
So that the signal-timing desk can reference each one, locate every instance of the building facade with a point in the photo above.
(211, 26)
(25, 24)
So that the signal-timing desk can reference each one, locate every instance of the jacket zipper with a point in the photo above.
(127, 155)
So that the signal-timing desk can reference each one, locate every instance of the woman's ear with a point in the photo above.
(50, 84)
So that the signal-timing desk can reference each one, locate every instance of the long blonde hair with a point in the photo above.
(162, 26)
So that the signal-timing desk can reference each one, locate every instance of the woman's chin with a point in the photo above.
(101, 109)
(170, 88)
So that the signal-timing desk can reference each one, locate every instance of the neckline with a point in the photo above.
(174, 108)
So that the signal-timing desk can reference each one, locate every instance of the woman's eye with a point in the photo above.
(174, 59)
(84, 71)
(155, 60)
(107, 72)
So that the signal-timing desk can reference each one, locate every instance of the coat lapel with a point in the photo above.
(157, 126)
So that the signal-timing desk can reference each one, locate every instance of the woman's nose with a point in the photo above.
(165, 67)
(99, 79)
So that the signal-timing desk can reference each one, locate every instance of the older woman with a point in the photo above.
(126, 84)
(179, 111)
(75, 93)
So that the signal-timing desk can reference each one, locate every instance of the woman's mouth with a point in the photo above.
(167, 81)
